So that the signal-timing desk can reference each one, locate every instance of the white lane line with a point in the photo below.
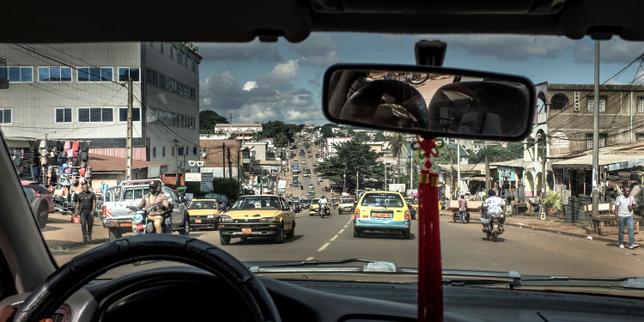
(345, 226)
(309, 258)
(333, 238)
(324, 247)
(341, 231)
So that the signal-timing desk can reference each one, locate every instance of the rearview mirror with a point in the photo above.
(430, 101)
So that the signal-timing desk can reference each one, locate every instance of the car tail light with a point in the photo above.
(407, 215)
(356, 214)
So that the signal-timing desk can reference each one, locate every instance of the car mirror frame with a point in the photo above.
(432, 69)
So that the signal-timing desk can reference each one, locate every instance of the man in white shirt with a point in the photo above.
(624, 204)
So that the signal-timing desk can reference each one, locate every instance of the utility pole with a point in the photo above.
(385, 185)
(595, 193)
(230, 165)
(223, 157)
(344, 178)
(488, 184)
(176, 149)
(128, 162)
(411, 169)
(458, 168)
(357, 182)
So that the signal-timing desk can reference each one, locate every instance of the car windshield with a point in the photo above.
(203, 204)
(257, 203)
(242, 123)
(381, 200)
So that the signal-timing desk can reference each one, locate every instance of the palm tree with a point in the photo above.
(397, 143)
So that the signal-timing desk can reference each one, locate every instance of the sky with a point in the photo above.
(260, 82)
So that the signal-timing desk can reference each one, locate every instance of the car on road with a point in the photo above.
(224, 203)
(346, 206)
(311, 194)
(116, 215)
(204, 213)
(40, 191)
(306, 203)
(257, 216)
(39, 207)
(314, 209)
(383, 211)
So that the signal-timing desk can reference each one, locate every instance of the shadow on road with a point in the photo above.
(58, 247)
(499, 240)
(58, 221)
(377, 235)
(50, 228)
(262, 241)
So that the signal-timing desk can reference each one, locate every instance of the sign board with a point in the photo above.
(207, 170)
(206, 182)
(193, 177)
(506, 173)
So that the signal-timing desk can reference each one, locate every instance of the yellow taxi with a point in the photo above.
(257, 216)
(384, 211)
(314, 209)
(203, 213)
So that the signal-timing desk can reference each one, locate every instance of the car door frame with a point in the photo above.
(289, 214)
(178, 208)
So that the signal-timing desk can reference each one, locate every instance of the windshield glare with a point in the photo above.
(243, 124)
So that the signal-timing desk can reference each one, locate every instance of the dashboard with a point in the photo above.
(188, 294)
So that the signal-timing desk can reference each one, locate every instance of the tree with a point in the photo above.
(351, 157)
(228, 187)
(497, 153)
(360, 137)
(282, 134)
(327, 130)
(379, 136)
(207, 120)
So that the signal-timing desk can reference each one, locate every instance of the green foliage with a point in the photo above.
(552, 200)
(228, 187)
(352, 156)
(379, 136)
(207, 120)
(360, 137)
(496, 153)
(446, 154)
(327, 131)
(282, 133)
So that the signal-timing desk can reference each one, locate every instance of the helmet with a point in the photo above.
(153, 184)
(491, 193)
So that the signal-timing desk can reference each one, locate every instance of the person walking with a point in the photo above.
(624, 204)
(85, 206)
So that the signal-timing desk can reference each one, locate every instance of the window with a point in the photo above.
(163, 151)
(180, 151)
(94, 74)
(95, 114)
(5, 115)
(136, 114)
(640, 104)
(639, 136)
(602, 104)
(589, 140)
(154, 152)
(18, 74)
(64, 115)
(54, 74)
(194, 150)
(131, 72)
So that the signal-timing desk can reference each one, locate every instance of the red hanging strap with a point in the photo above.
(430, 274)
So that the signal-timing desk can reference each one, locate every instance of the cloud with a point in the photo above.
(283, 72)
(615, 50)
(509, 47)
(253, 51)
(272, 97)
(318, 49)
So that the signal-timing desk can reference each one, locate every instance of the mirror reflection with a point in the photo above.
(443, 104)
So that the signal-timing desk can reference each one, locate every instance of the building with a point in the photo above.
(77, 92)
(239, 130)
(330, 143)
(570, 115)
(222, 158)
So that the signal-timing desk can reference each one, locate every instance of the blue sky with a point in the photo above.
(282, 81)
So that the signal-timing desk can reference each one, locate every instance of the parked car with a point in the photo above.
(224, 203)
(204, 213)
(271, 217)
(382, 211)
(306, 203)
(39, 207)
(40, 191)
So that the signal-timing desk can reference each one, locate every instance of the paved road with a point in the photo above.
(522, 250)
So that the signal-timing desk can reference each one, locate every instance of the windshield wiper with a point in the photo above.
(333, 266)
(455, 277)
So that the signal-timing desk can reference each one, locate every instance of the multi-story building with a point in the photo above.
(244, 131)
(77, 92)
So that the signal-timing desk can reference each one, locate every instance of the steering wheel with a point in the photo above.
(61, 284)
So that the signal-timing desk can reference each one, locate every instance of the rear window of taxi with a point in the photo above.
(203, 205)
(382, 200)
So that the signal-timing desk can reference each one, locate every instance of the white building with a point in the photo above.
(331, 142)
(238, 130)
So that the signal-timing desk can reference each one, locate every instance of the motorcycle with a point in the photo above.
(324, 211)
(63, 205)
(492, 225)
(461, 216)
(142, 224)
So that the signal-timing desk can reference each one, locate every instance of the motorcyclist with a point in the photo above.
(156, 203)
(323, 204)
(492, 206)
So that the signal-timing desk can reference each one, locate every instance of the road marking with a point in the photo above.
(341, 231)
(345, 226)
(309, 258)
(333, 238)
(324, 247)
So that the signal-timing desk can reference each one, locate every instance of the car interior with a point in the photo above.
(214, 285)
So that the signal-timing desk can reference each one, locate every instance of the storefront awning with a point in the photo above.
(612, 162)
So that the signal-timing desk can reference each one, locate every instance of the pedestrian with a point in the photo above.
(624, 205)
(85, 206)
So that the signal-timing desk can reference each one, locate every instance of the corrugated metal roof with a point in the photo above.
(604, 159)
